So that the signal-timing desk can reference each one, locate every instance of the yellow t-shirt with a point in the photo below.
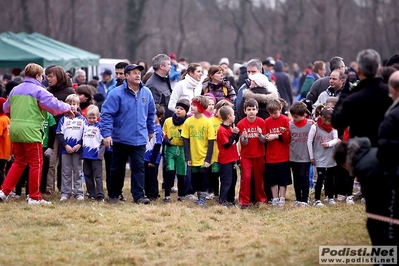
(216, 124)
(198, 131)
(172, 131)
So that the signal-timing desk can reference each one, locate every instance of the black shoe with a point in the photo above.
(152, 199)
(244, 207)
(166, 200)
(142, 201)
(121, 197)
(112, 200)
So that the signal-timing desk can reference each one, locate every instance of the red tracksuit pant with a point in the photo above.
(26, 153)
(257, 166)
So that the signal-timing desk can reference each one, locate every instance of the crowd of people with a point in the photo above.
(206, 127)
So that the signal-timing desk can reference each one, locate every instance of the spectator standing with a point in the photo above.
(27, 105)
(159, 82)
(127, 121)
(106, 81)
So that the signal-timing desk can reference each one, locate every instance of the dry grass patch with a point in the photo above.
(92, 233)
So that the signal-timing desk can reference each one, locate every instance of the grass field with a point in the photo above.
(180, 233)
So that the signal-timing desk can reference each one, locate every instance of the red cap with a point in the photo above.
(172, 56)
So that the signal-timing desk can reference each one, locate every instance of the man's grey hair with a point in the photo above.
(159, 60)
(369, 61)
(255, 63)
(336, 62)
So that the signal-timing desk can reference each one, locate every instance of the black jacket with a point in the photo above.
(362, 109)
(283, 82)
(161, 91)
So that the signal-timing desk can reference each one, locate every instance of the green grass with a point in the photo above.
(92, 233)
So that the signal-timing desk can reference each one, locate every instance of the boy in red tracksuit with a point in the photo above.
(278, 173)
(252, 141)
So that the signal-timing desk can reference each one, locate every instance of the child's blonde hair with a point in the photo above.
(92, 110)
(72, 98)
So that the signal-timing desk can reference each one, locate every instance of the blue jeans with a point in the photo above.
(121, 154)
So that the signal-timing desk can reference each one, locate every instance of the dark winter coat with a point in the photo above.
(283, 82)
(161, 91)
(362, 109)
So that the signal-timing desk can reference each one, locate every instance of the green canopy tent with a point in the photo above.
(18, 50)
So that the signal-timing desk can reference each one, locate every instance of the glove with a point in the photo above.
(166, 141)
(48, 152)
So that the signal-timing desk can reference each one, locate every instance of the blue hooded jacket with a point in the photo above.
(126, 118)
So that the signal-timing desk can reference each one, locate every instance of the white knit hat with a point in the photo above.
(260, 79)
(224, 60)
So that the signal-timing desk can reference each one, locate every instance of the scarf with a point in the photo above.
(323, 126)
(178, 121)
(191, 83)
(301, 123)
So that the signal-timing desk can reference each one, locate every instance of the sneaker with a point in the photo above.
(210, 196)
(340, 197)
(121, 197)
(142, 201)
(331, 202)
(80, 198)
(318, 203)
(13, 195)
(190, 197)
(275, 202)
(3, 196)
(244, 207)
(36, 202)
(349, 200)
(303, 204)
(166, 200)
(63, 198)
(173, 190)
(100, 200)
(281, 202)
(201, 202)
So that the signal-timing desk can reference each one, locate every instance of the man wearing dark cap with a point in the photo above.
(127, 122)
(106, 81)
(268, 67)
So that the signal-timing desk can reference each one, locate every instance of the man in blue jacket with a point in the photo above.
(127, 122)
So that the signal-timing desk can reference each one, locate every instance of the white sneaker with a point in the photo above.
(190, 197)
(173, 190)
(63, 198)
(210, 196)
(349, 200)
(275, 202)
(13, 195)
(318, 203)
(281, 202)
(3, 196)
(340, 197)
(80, 197)
(331, 202)
(303, 204)
(36, 202)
